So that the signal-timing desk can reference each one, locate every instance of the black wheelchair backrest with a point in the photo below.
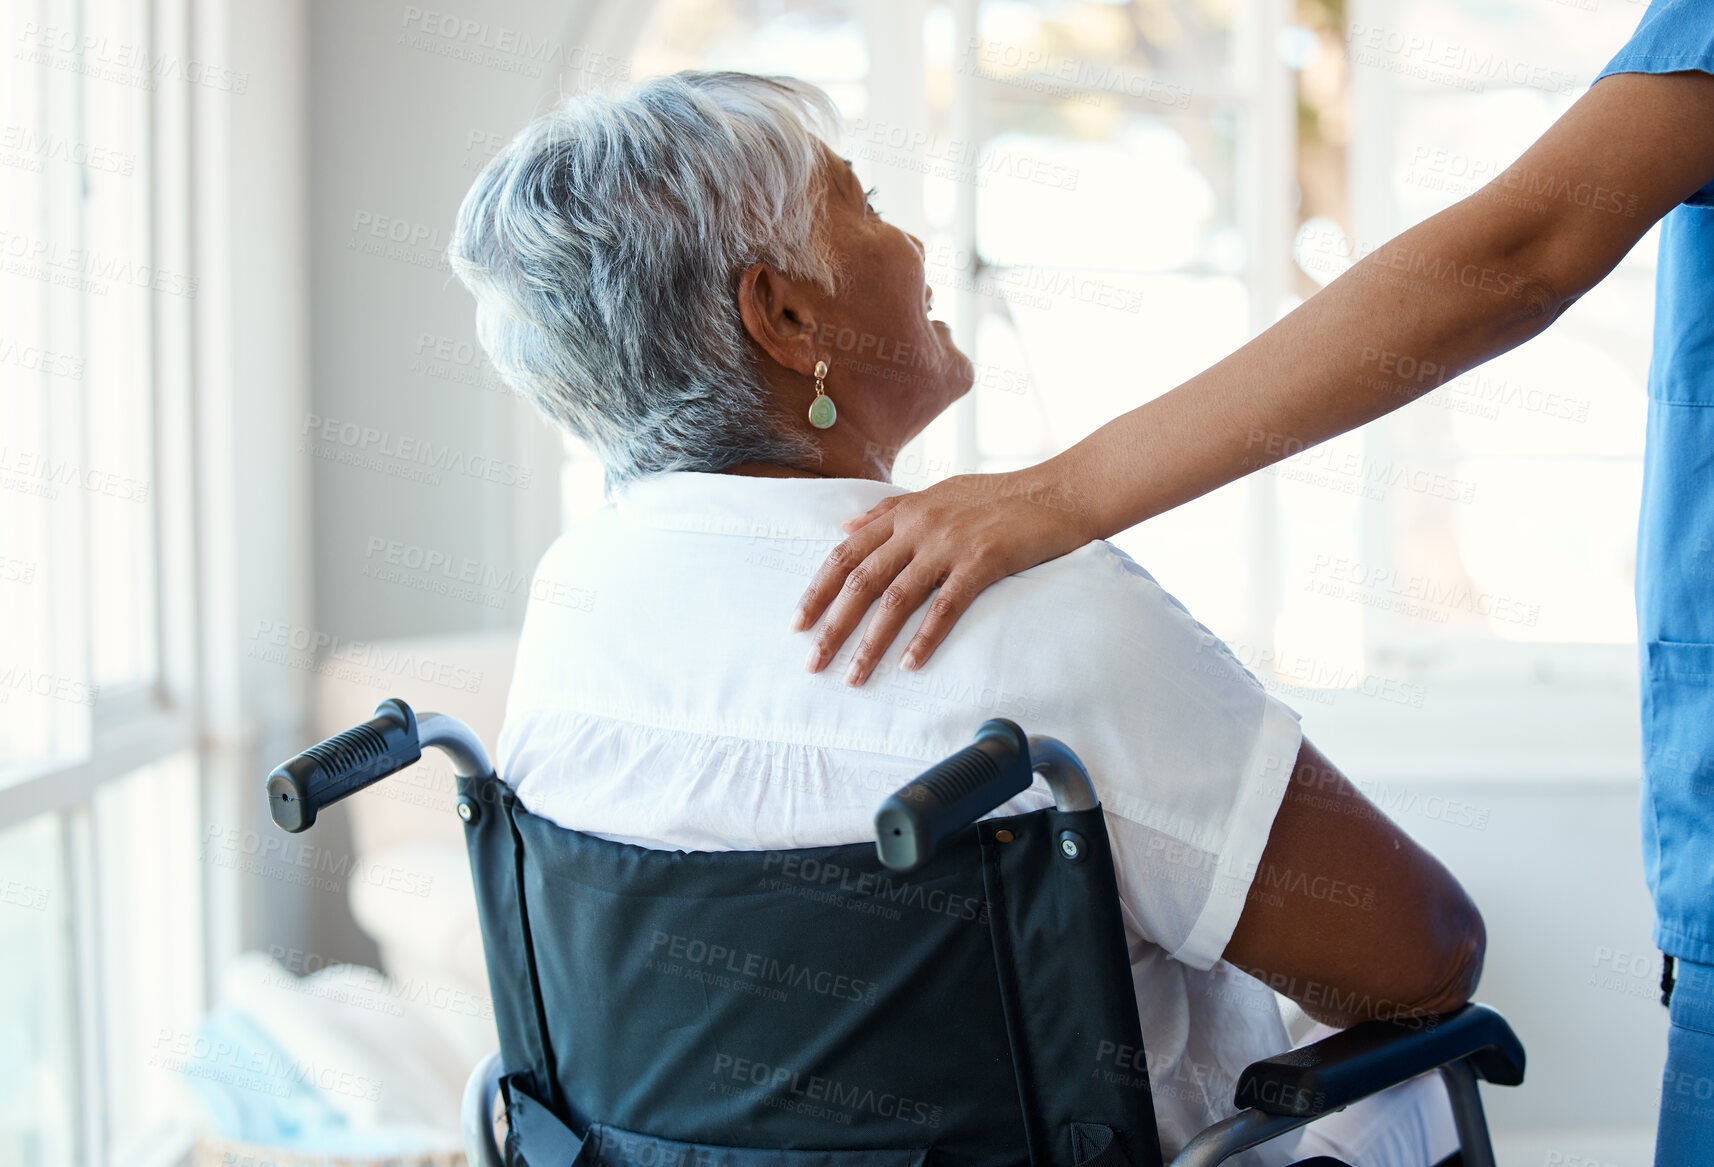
(816, 998)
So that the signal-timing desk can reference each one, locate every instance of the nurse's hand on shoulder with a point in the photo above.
(957, 536)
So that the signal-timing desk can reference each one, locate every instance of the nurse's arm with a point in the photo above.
(1348, 916)
(1473, 281)
(1467, 284)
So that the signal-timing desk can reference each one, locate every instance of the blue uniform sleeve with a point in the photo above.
(1674, 36)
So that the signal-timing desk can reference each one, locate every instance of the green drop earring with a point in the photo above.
(821, 411)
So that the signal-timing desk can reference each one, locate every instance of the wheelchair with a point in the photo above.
(955, 994)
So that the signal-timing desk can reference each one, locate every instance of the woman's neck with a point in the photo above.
(849, 459)
(770, 470)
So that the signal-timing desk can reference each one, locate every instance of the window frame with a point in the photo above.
(1552, 692)
(200, 703)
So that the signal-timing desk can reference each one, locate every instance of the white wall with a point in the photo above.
(398, 128)
(1558, 876)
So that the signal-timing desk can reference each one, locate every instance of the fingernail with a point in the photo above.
(815, 660)
(908, 662)
(799, 620)
(854, 674)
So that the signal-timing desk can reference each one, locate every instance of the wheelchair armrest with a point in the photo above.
(1368, 1058)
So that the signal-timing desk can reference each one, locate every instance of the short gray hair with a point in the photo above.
(604, 246)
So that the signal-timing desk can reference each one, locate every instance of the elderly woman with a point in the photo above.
(690, 280)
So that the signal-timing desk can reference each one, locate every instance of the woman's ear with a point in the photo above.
(779, 315)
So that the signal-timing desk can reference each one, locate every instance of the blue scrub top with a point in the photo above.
(1675, 536)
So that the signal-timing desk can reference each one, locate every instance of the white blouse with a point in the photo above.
(660, 700)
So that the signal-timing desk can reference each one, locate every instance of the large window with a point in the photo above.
(1118, 194)
(101, 892)
(1473, 554)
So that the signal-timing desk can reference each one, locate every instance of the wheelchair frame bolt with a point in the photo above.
(468, 810)
(1071, 845)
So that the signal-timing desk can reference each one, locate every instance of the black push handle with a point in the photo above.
(950, 795)
(343, 765)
